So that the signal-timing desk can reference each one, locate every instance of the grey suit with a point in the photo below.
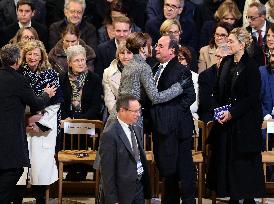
(118, 166)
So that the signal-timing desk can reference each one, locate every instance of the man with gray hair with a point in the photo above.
(258, 26)
(73, 10)
(16, 93)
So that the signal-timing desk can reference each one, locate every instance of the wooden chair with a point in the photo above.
(69, 156)
(199, 156)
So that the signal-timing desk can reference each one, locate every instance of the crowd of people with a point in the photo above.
(141, 66)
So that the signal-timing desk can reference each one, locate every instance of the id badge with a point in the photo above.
(140, 169)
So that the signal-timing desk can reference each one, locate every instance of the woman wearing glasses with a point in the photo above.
(207, 53)
(235, 166)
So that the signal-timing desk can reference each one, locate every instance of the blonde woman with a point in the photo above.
(43, 129)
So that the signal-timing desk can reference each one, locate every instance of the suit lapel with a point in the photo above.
(124, 138)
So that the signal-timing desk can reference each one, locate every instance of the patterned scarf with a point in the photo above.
(77, 83)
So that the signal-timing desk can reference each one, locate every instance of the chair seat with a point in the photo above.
(69, 156)
(268, 157)
(197, 157)
(149, 156)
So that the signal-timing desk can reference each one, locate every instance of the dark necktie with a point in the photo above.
(260, 38)
(157, 75)
(135, 149)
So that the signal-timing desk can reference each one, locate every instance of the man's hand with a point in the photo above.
(50, 90)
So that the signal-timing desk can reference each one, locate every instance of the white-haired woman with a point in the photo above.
(82, 90)
(235, 167)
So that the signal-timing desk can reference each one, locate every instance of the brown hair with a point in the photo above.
(25, 2)
(186, 53)
(223, 25)
(136, 41)
(71, 29)
(121, 19)
(18, 35)
(31, 45)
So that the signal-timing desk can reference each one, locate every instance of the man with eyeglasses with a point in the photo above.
(258, 26)
(174, 9)
(73, 10)
(25, 11)
(173, 127)
(123, 161)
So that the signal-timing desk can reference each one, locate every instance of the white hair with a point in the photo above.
(75, 50)
(83, 2)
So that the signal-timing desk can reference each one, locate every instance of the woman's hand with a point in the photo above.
(226, 116)
(50, 90)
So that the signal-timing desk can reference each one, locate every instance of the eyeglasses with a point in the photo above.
(252, 18)
(171, 7)
(159, 45)
(217, 35)
(177, 32)
(75, 12)
(26, 37)
(138, 111)
(181, 58)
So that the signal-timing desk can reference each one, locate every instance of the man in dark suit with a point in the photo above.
(173, 127)
(173, 9)
(15, 94)
(106, 51)
(258, 26)
(74, 11)
(25, 11)
(123, 160)
(8, 12)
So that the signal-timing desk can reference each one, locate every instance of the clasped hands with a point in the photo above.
(226, 116)
(50, 90)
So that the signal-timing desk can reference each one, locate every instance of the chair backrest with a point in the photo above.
(91, 141)
(200, 130)
(268, 125)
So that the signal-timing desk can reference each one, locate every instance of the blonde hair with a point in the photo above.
(31, 45)
(166, 25)
(121, 48)
(243, 36)
(227, 7)
(18, 35)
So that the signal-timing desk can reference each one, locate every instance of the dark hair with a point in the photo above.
(135, 41)
(9, 54)
(123, 101)
(271, 27)
(118, 6)
(72, 29)
(173, 43)
(186, 53)
(24, 2)
(223, 25)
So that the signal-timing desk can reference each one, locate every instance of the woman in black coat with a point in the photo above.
(235, 167)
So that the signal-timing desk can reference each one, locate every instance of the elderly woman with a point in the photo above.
(173, 26)
(43, 126)
(227, 12)
(25, 34)
(207, 56)
(82, 90)
(70, 37)
(112, 75)
(235, 167)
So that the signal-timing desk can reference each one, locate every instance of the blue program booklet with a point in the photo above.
(219, 111)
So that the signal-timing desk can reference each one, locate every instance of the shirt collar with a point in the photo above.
(122, 123)
(26, 26)
(164, 64)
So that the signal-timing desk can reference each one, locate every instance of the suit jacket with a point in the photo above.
(207, 80)
(91, 101)
(189, 36)
(8, 12)
(256, 51)
(118, 165)
(245, 100)
(267, 90)
(87, 33)
(12, 29)
(16, 93)
(105, 53)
